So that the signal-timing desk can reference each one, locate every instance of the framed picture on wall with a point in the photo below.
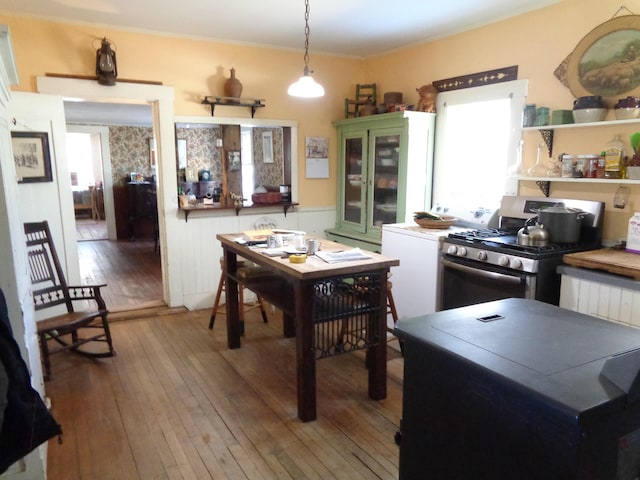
(233, 160)
(153, 162)
(31, 156)
(267, 147)
(181, 148)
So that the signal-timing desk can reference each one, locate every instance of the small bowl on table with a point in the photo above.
(445, 221)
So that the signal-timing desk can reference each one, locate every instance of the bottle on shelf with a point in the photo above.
(614, 159)
(601, 164)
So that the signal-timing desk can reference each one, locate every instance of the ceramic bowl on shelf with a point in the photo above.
(586, 115)
(627, 113)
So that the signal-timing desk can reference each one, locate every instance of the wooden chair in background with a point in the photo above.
(242, 265)
(72, 330)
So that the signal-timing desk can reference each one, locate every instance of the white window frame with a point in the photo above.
(460, 152)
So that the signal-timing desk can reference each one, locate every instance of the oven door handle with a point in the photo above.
(481, 273)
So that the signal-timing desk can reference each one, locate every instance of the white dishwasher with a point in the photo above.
(415, 280)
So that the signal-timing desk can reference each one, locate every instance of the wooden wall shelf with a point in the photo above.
(210, 208)
(252, 103)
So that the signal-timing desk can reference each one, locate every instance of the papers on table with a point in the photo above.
(344, 256)
(277, 252)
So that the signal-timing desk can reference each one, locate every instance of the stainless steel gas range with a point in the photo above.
(485, 265)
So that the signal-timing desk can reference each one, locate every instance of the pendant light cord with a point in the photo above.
(306, 37)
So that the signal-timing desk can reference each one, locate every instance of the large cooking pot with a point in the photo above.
(564, 224)
(533, 235)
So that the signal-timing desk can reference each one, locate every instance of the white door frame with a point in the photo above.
(161, 100)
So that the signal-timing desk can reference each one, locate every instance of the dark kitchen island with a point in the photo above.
(513, 389)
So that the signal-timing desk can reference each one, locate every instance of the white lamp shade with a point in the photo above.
(306, 87)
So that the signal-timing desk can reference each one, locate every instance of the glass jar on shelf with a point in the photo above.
(538, 170)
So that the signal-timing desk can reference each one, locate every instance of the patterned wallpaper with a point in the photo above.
(268, 174)
(202, 152)
(130, 153)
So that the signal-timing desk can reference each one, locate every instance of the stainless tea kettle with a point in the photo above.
(533, 235)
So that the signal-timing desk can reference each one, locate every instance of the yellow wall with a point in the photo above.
(196, 68)
(537, 42)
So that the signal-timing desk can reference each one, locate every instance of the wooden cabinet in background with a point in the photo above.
(384, 174)
(143, 210)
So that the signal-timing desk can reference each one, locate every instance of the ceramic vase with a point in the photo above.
(233, 87)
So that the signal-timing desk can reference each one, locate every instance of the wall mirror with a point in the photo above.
(235, 156)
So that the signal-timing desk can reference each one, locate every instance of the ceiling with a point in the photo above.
(355, 28)
(359, 28)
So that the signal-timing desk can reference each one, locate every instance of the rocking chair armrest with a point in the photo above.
(87, 292)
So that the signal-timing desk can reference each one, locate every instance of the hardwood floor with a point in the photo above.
(90, 229)
(131, 271)
(176, 403)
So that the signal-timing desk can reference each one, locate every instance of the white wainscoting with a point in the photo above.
(201, 252)
(601, 299)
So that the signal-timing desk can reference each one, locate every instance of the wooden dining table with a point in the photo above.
(330, 308)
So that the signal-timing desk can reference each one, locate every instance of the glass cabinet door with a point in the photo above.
(386, 153)
(354, 180)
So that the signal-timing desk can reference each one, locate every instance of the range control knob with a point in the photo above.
(482, 255)
(503, 260)
(462, 252)
(515, 263)
(452, 249)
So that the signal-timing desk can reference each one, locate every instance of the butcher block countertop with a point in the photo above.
(618, 262)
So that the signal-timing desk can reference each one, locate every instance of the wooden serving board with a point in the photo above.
(612, 261)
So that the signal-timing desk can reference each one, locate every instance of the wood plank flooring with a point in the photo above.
(131, 270)
(90, 229)
(176, 403)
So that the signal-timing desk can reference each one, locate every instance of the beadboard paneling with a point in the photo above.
(200, 259)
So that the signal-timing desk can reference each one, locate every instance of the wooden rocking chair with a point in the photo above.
(50, 289)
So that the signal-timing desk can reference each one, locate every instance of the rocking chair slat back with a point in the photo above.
(68, 330)
(47, 277)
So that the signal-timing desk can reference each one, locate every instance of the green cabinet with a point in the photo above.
(384, 174)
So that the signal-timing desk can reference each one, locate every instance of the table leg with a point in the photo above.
(288, 325)
(377, 355)
(305, 353)
(234, 329)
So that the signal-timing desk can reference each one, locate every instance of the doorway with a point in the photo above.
(84, 159)
(130, 269)
(161, 99)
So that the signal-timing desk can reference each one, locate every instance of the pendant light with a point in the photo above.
(306, 86)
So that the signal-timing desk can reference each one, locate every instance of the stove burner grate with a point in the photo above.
(507, 242)
(477, 235)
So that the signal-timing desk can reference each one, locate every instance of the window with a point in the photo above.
(477, 141)
(84, 161)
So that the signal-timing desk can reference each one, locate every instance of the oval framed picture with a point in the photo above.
(606, 61)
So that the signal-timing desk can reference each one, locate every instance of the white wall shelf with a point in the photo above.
(544, 183)
(547, 131)
(607, 123)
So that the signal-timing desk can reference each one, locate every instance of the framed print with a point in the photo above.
(152, 154)
(606, 60)
(181, 149)
(233, 160)
(31, 156)
(267, 147)
(191, 174)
